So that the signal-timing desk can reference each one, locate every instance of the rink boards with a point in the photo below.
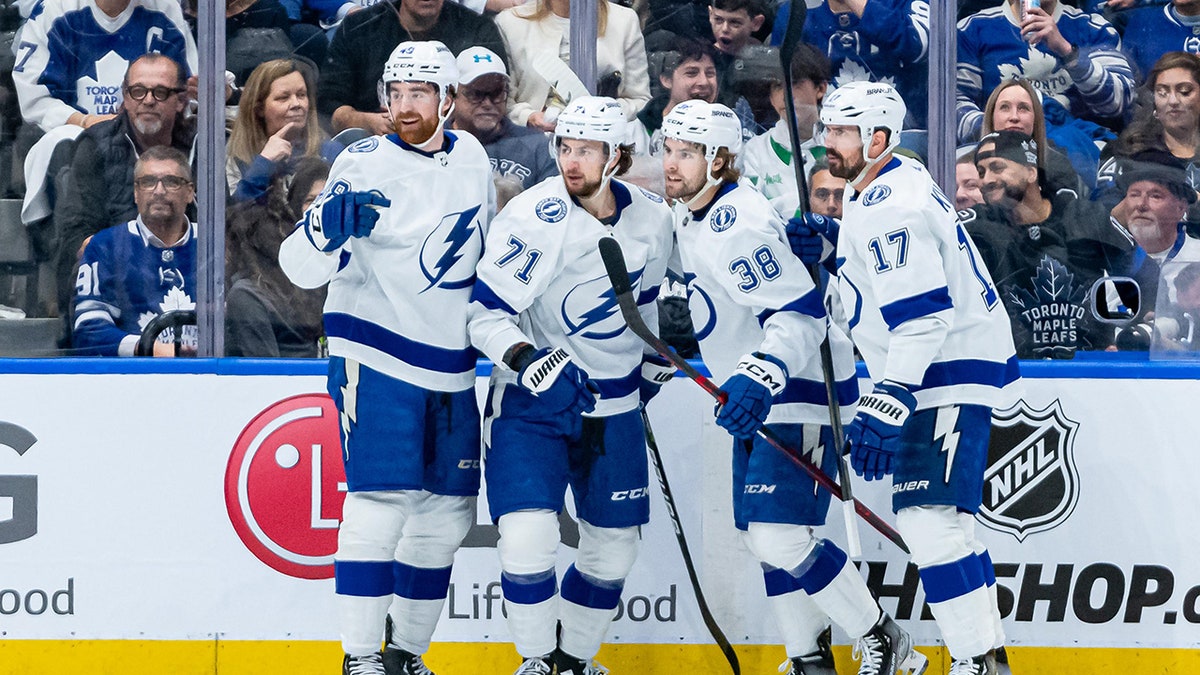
(180, 518)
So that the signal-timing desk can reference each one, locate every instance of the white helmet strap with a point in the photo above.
(869, 163)
(710, 179)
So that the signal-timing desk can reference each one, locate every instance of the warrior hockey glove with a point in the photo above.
(343, 215)
(558, 382)
(756, 380)
(656, 371)
(874, 435)
(812, 237)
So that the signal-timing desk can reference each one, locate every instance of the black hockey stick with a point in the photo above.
(709, 622)
(618, 276)
(791, 38)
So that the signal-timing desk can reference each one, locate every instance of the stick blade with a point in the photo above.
(614, 265)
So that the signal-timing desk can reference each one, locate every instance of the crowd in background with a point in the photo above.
(1078, 126)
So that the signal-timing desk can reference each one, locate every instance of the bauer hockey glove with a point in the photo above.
(656, 371)
(343, 215)
(756, 380)
(874, 435)
(563, 386)
(812, 237)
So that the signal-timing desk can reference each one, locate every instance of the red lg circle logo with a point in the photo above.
(284, 486)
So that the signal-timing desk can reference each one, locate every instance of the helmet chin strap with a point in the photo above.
(608, 173)
(712, 180)
(870, 163)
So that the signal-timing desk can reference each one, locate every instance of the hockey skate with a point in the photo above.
(401, 662)
(887, 650)
(370, 664)
(537, 666)
(819, 662)
(978, 665)
(1001, 657)
(565, 664)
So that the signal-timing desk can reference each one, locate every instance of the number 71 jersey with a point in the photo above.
(922, 307)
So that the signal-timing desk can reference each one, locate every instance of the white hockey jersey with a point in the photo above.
(398, 298)
(748, 293)
(767, 164)
(922, 307)
(541, 281)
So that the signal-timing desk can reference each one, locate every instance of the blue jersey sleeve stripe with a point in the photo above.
(971, 371)
(484, 295)
(809, 304)
(619, 387)
(412, 352)
(800, 390)
(916, 306)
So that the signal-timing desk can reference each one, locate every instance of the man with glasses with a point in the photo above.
(481, 109)
(99, 187)
(131, 273)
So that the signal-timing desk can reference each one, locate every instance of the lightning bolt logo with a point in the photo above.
(349, 405)
(452, 250)
(595, 313)
(943, 428)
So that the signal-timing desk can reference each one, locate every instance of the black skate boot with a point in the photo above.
(887, 650)
(819, 662)
(397, 661)
(565, 664)
(370, 664)
(537, 666)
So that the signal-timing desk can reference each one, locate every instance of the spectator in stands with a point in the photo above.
(73, 54)
(265, 314)
(1043, 251)
(276, 126)
(100, 190)
(825, 190)
(1069, 56)
(1015, 105)
(132, 272)
(349, 80)
(967, 192)
(734, 23)
(541, 30)
(481, 109)
(1157, 29)
(876, 40)
(1177, 324)
(1157, 197)
(689, 73)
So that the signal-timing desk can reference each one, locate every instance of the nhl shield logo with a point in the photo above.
(1030, 483)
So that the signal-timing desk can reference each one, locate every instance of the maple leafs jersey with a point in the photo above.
(397, 299)
(72, 57)
(922, 308)
(1099, 84)
(541, 281)
(1154, 31)
(126, 278)
(748, 293)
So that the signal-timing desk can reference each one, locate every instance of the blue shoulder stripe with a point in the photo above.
(916, 306)
(412, 352)
(484, 295)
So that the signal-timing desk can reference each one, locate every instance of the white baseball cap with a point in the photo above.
(476, 62)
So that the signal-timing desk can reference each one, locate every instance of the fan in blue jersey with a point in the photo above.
(1069, 56)
(396, 233)
(1155, 30)
(131, 273)
(760, 321)
(72, 56)
(930, 325)
(563, 405)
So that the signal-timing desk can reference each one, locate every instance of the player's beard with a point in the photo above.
(418, 133)
(586, 188)
(839, 167)
(683, 189)
(1002, 194)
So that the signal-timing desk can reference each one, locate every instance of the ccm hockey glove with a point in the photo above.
(656, 371)
(343, 215)
(874, 435)
(756, 380)
(550, 375)
(812, 237)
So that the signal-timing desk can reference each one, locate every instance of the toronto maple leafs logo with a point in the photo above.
(853, 71)
(101, 94)
(1051, 310)
(591, 310)
(175, 298)
(1043, 71)
(449, 253)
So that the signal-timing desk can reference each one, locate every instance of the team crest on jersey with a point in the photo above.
(449, 253)
(365, 145)
(1052, 308)
(876, 195)
(722, 218)
(1031, 483)
(590, 309)
(704, 313)
(551, 209)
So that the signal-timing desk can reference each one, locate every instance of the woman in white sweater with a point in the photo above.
(544, 26)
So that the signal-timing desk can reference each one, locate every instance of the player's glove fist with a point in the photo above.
(344, 214)
(874, 435)
(563, 386)
(756, 380)
(656, 371)
(812, 237)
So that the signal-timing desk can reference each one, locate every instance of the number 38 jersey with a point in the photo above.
(921, 306)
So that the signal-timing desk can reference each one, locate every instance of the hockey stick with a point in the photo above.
(618, 276)
(795, 26)
(709, 622)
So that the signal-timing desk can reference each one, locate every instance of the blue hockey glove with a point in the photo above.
(756, 380)
(656, 371)
(343, 215)
(558, 382)
(874, 435)
(813, 238)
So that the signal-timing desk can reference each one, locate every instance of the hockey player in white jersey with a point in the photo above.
(936, 340)
(760, 320)
(397, 233)
(563, 407)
